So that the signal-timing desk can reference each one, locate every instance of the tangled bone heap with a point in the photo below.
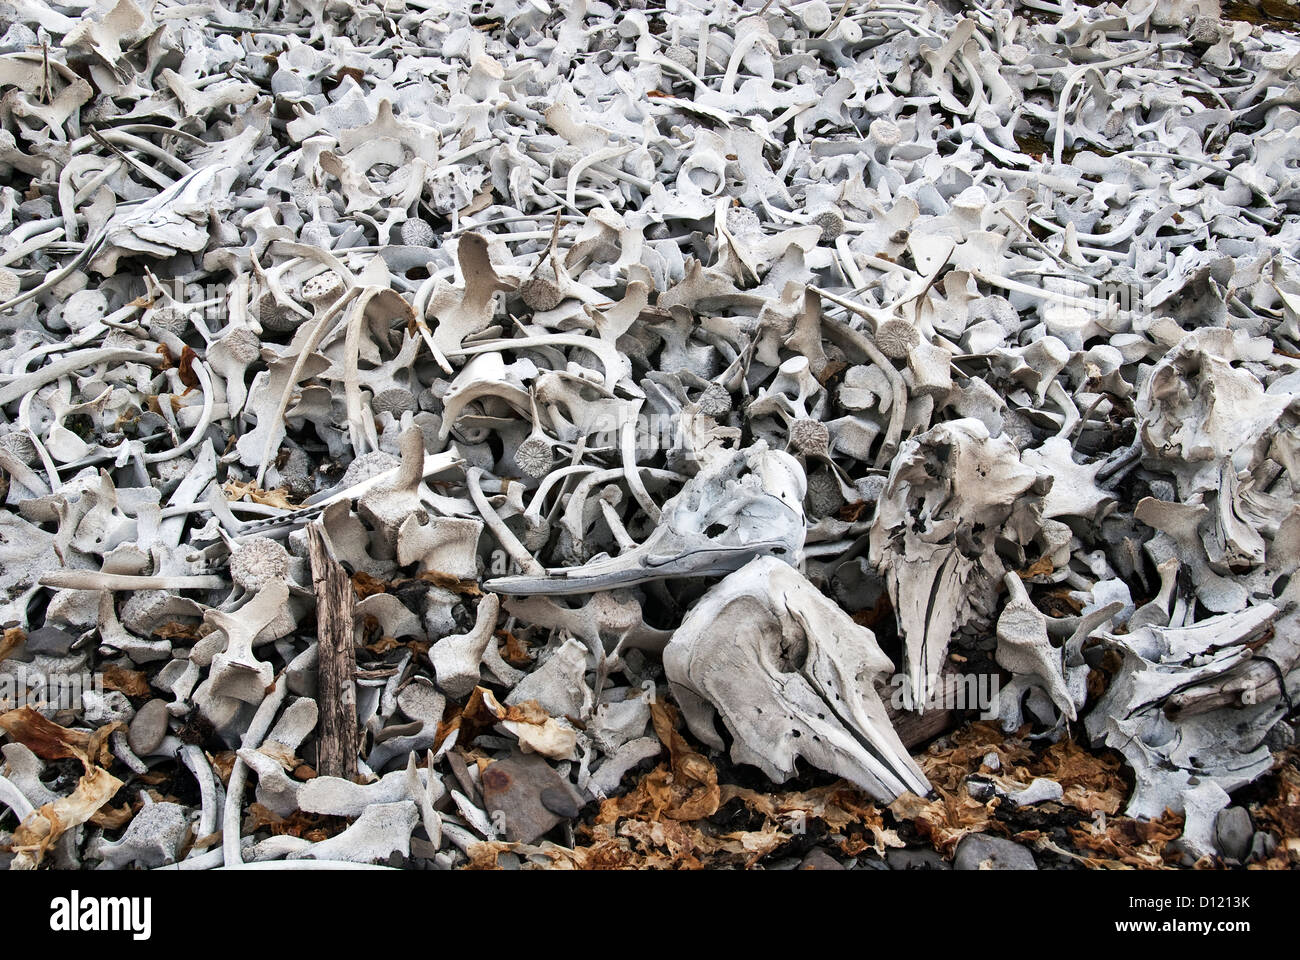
(630, 353)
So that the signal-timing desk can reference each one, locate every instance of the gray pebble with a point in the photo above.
(818, 859)
(979, 851)
(560, 801)
(148, 728)
(50, 641)
(1263, 845)
(1233, 832)
(918, 859)
(1281, 736)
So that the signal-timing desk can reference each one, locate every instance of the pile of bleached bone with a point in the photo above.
(687, 332)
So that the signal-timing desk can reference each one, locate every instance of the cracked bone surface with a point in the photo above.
(791, 676)
(569, 325)
(952, 493)
(1186, 707)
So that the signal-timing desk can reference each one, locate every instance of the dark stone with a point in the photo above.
(148, 727)
(561, 802)
(399, 730)
(915, 859)
(979, 851)
(50, 642)
(527, 791)
(818, 859)
(1263, 845)
(459, 770)
(1233, 832)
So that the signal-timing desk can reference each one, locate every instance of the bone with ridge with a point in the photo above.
(792, 676)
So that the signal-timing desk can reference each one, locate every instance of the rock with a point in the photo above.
(148, 728)
(1263, 845)
(560, 801)
(871, 861)
(527, 797)
(1281, 736)
(1233, 832)
(920, 859)
(460, 770)
(422, 849)
(979, 851)
(50, 642)
(818, 859)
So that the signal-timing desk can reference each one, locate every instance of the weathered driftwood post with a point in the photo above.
(336, 683)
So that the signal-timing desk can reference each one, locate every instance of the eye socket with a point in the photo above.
(792, 652)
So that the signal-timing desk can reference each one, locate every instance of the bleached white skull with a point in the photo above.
(792, 676)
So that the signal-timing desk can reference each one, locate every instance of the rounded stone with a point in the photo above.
(560, 802)
(916, 859)
(979, 851)
(50, 642)
(1233, 832)
(148, 728)
(818, 859)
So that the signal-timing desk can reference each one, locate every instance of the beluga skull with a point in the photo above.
(792, 676)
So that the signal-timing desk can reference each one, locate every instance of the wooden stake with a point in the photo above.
(336, 692)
